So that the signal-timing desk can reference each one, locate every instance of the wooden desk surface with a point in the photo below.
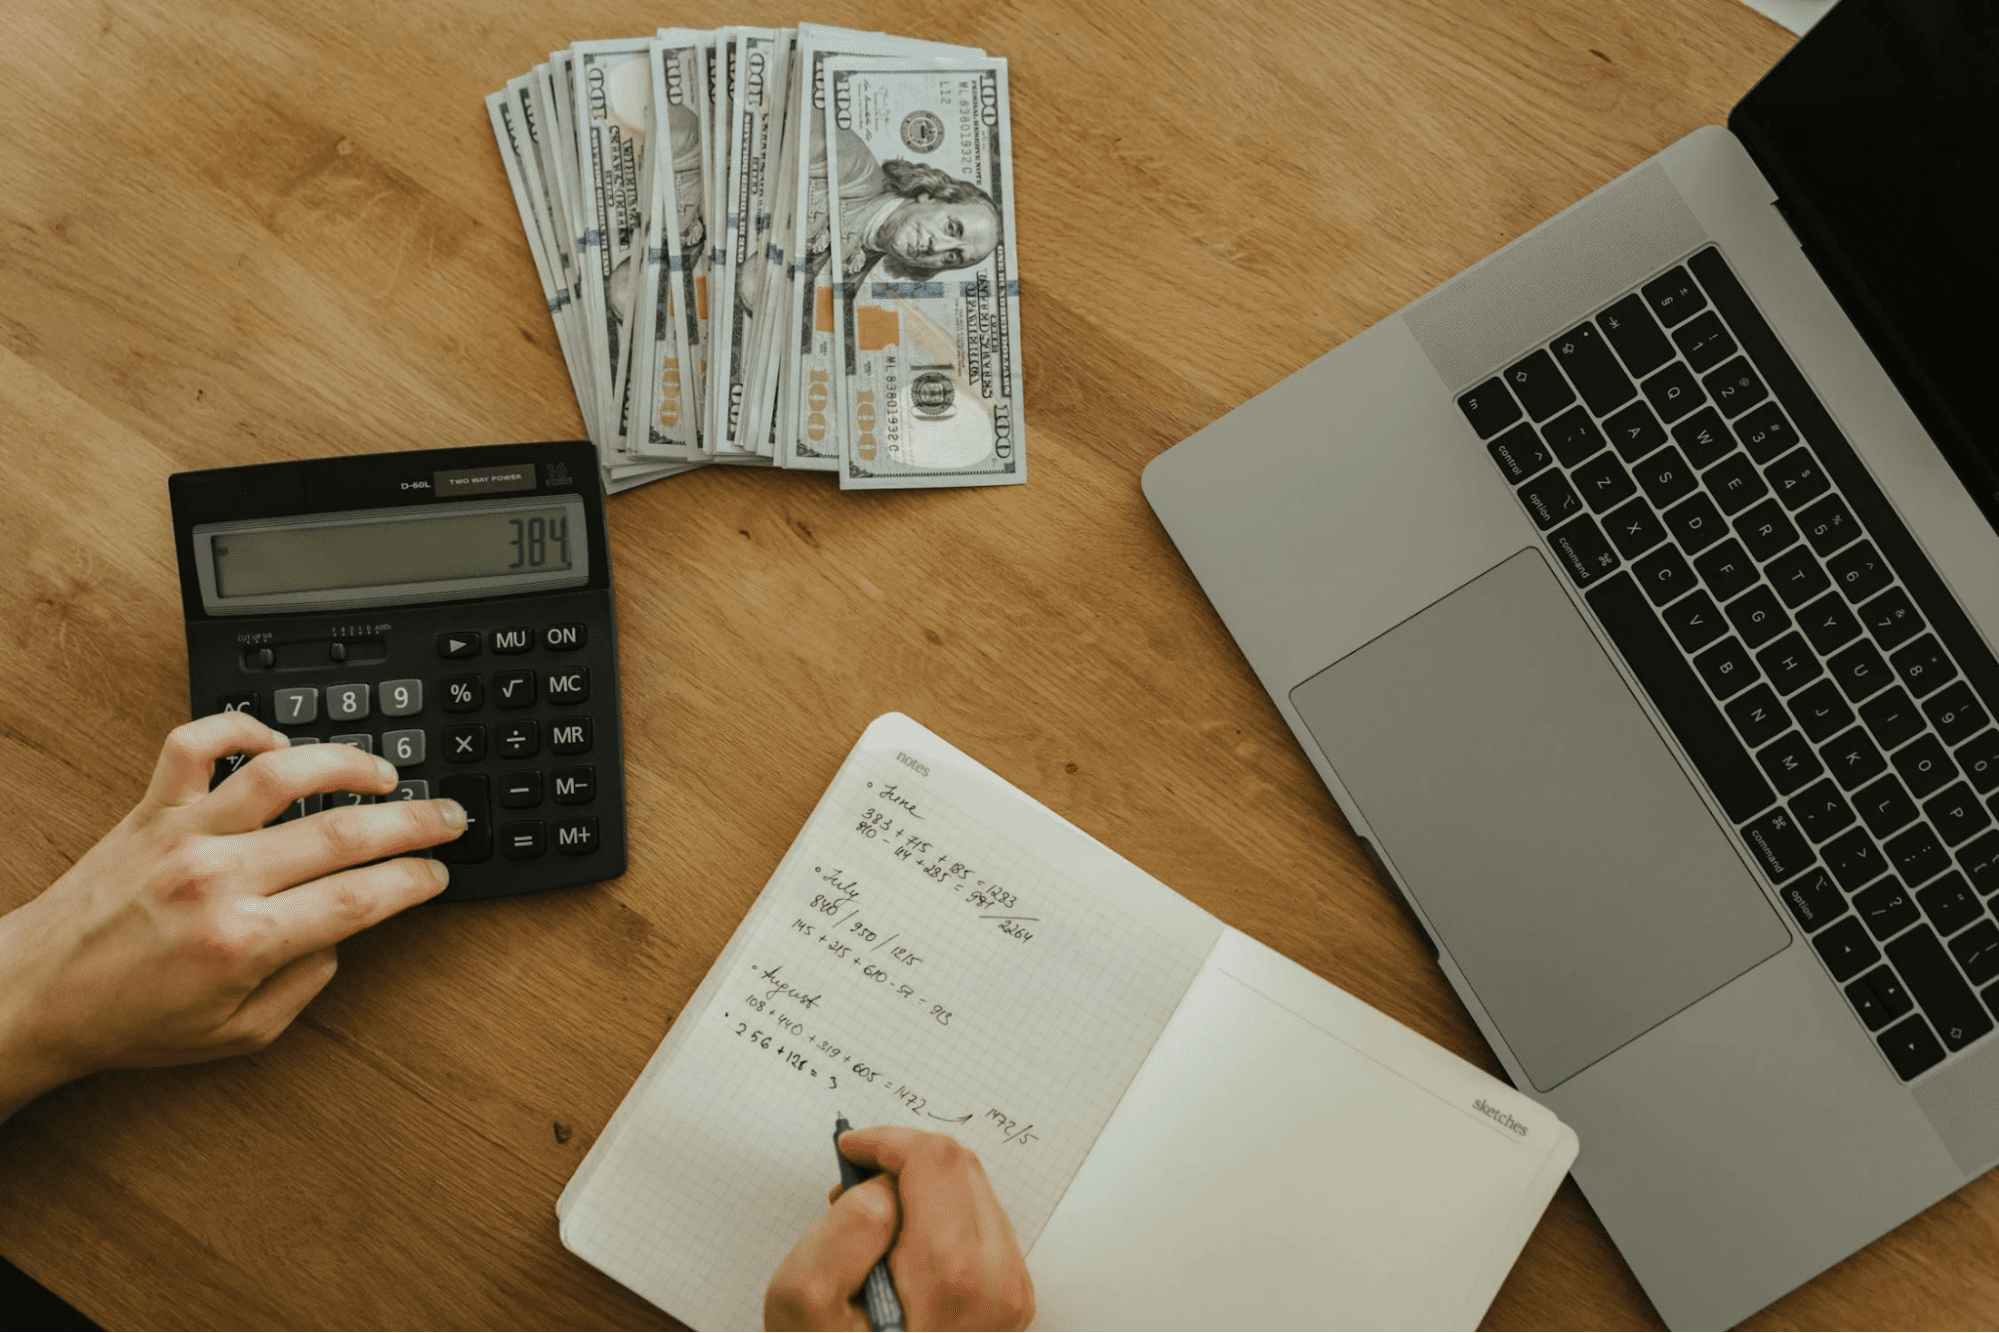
(233, 232)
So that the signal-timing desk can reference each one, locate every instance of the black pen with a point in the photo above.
(884, 1306)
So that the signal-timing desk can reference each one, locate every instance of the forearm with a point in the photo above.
(26, 1069)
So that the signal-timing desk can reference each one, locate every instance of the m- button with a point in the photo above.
(574, 786)
(569, 687)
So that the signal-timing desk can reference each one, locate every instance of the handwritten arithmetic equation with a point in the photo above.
(769, 1021)
(893, 821)
(833, 920)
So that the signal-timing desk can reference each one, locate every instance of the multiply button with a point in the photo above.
(476, 843)
(466, 744)
(513, 689)
(569, 735)
(518, 740)
(557, 638)
(569, 687)
(512, 640)
(459, 643)
(576, 837)
(574, 786)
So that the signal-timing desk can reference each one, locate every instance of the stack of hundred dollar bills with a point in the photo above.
(777, 247)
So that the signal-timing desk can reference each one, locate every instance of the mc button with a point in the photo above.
(569, 687)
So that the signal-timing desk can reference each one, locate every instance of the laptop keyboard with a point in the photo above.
(1806, 655)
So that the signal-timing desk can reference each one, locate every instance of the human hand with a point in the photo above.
(956, 1263)
(191, 931)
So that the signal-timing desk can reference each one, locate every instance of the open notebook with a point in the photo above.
(1187, 1129)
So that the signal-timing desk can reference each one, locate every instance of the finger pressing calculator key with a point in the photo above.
(449, 610)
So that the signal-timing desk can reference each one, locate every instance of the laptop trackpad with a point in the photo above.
(1532, 810)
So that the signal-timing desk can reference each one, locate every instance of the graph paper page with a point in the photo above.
(936, 950)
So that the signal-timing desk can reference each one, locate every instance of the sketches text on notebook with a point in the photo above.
(1158, 1099)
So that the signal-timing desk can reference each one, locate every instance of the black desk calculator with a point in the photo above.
(448, 609)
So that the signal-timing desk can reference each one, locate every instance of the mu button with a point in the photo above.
(574, 786)
(569, 687)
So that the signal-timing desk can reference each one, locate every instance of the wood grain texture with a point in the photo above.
(234, 232)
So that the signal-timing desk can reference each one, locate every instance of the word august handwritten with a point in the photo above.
(891, 821)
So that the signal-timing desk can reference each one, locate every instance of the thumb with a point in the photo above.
(821, 1275)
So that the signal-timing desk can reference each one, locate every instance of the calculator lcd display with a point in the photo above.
(381, 556)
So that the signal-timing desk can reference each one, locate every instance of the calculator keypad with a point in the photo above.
(346, 703)
(295, 707)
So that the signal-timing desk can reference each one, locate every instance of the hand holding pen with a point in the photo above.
(931, 1212)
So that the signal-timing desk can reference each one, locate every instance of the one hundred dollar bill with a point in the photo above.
(755, 96)
(927, 296)
(809, 429)
(612, 115)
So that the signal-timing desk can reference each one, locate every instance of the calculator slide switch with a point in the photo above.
(476, 843)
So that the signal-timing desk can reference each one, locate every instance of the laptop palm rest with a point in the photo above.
(1544, 829)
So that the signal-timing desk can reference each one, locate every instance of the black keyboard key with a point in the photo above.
(1696, 523)
(1519, 453)
(1540, 387)
(1603, 482)
(1665, 476)
(1883, 806)
(1703, 437)
(1859, 571)
(1980, 761)
(1790, 763)
(461, 694)
(1854, 859)
(1583, 550)
(1828, 624)
(1821, 811)
(1593, 369)
(1979, 859)
(1977, 952)
(1735, 483)
(474, 792)
(1916, 854)
(1951, 906)
(1758, 716)
(1828, 524)
(1634, 529)
(1797, 577)
(1789, 664)
(1694, 621)
(1765, 432)
(1859, 670)
(1939, 989)
(1573, 436)
(1636, 336)
(1820, 711)
(1885, 908)
(1726, 669)
(1852, 758)
(1673, 393)
(1726, 569)
(1955, 712)
(1924, 766)
(1923, 666)
(1878, 998)
(1690, 714)
(1814, 900)
(1757, 617)
(1892, 618)
(1550, 499)
(464, 745)
(1910, 1047)
(1735, 387)
(1797, 478)
(1664, 575)
(1891, 718)
(1634, 431)
(1704, 342)
(1766, 530)
(1956, 814)
(1780, 850)
(1846, 948)
(1489, 408)
(1673, 296)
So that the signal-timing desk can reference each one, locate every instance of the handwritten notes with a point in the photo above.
(935, 950)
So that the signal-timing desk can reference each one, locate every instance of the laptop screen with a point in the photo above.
(1880, 132)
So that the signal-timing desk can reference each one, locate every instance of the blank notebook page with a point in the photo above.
(935, 950)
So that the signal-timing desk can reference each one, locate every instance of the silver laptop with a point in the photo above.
(1634, 593)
